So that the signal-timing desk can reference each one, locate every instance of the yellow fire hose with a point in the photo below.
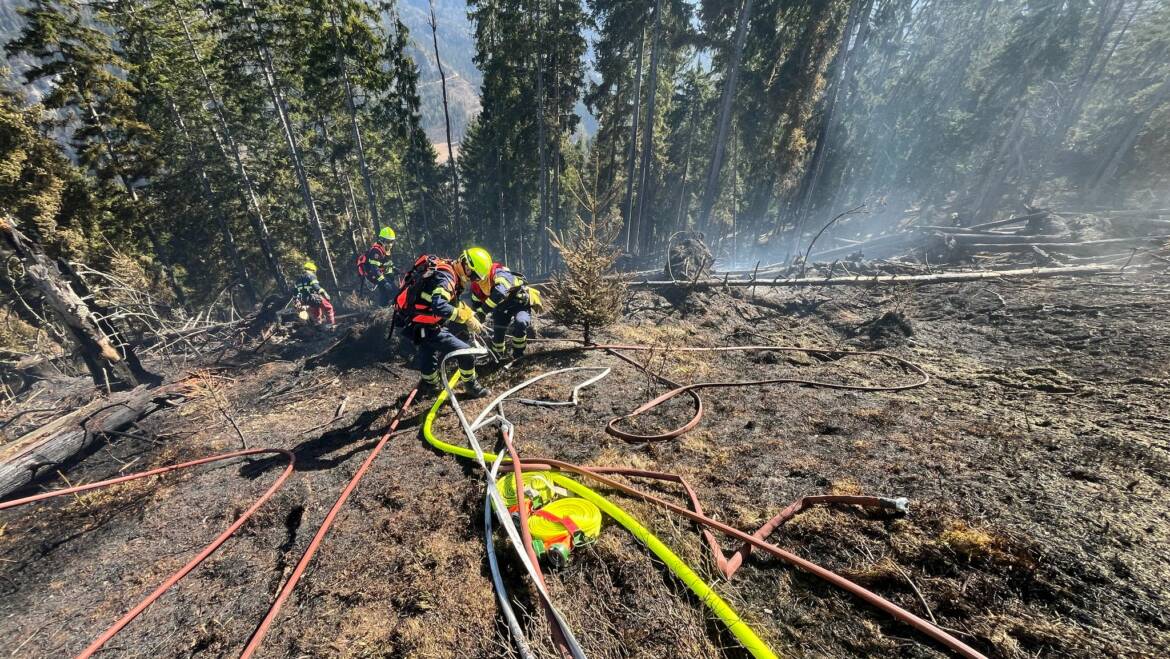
(537, 485)
(584, 514)
(738, 628)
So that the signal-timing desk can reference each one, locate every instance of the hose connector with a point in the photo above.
(900, 505)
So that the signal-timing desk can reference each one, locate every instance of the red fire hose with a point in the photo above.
(315, 544)
(194, 562)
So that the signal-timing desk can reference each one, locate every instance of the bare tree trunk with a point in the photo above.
(105, 362)
(712, 188)
(341, 181)
(457, 213)
(633, 155)
(231, 152)
(542, 146)
(642, 236)
(359, 145)
(682, 192)
(274, 89)
(841, 70)
(991, 188)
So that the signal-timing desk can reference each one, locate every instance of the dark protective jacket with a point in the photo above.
(307, 286)
(377, 263)
(438, 293)
(501, 288)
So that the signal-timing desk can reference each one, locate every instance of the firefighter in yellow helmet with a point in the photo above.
(497, 290)
(434, 319)
(313, 296)
(376, 267)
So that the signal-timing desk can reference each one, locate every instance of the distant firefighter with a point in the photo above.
(314, 298)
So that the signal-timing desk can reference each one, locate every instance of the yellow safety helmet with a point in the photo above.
(476, 260)
(387, 234)
(310, 266)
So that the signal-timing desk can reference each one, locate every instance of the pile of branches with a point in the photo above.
(1039, 237)
(1055, 238)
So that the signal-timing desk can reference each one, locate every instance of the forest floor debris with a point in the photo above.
(1035, 462)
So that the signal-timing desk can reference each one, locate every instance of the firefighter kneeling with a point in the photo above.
(428, 307)
(497, 289)
(314, 298)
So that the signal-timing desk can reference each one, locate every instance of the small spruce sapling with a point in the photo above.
(585, 295)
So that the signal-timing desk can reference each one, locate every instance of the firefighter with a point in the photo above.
(313, 297)
(433, 313)
(497, 290)
(376, 267)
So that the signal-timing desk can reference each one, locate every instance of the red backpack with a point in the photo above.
(405, 305)
(363, 259)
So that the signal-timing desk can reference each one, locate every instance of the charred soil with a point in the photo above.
(1036, 462)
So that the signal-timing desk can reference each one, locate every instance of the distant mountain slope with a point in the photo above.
(457, 48)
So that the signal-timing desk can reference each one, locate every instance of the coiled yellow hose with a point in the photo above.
(584, 514)
(738, 628)
(536, 481)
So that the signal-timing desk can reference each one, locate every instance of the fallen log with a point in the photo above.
(1085, 245)
(1140, 212)
(1011, 239)
(27, 458)
(891, 242)
(930, 228)
(867, 280)
(1011, 220)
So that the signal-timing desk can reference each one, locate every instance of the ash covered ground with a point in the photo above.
(1036, 462)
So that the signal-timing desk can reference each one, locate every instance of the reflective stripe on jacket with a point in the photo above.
(501, 281)
(438, 293)
(307, 285)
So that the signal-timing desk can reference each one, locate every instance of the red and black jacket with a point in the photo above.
(435, 296)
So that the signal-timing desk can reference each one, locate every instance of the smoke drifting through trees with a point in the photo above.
(224, 143)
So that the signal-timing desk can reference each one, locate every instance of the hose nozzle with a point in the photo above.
(899, 505)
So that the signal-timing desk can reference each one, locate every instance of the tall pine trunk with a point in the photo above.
(268, 70)
(810, 187)
(644, 175)
(633, 155)
(456, 211)
(230, 149)
(725, 102)
(359, 145)
(541, 137)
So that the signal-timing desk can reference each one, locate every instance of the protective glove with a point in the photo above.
(463, 313)
(534, 301)
(473, 325)
(522, 295)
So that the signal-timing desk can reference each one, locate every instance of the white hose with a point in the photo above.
(497, 501)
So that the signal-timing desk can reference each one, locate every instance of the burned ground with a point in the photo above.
(1036, 462)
